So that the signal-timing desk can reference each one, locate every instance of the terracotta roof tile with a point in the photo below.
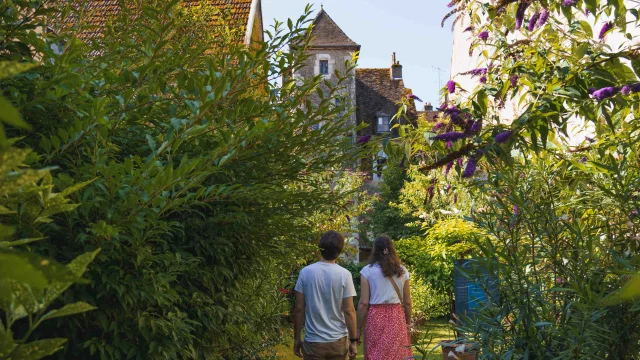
(98, 12)
(377, 93)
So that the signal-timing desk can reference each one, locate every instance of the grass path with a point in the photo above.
(433, 332)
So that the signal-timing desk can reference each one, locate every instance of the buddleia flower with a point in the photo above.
(533, 21)
(476, 127)
(522, 8)
(437, 126)
(470, 169)
(605, 29)
(451, 86)
(413, 97)
(484, 35)
(569, 2)
(483, 80)
(449, 166)
(605, 93)
(514, 80)
(450, 136)
(363, 139)
(544, 16)
(629, 89)
(503, 137)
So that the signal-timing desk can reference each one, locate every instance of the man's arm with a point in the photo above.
(298, 322)
(350, 316)
(350, 319)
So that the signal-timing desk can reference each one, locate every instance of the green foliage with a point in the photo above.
(29, 283)
(204, 181)
(559, 258)
(431, 258)
(426, 302)
(559, 214)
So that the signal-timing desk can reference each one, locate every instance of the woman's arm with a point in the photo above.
(406, 297)
(363, 305)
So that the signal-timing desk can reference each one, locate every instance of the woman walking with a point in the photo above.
(385, 305)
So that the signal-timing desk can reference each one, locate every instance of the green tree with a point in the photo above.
(560, 219)
(209, 184)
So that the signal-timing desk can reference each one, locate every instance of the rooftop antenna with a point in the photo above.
(439, 79)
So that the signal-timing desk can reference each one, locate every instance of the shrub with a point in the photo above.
(29, 283)
(204, 174)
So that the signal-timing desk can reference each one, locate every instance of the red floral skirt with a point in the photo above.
(385, 334)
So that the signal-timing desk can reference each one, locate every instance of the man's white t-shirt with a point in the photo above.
(381, 289)
(324, 285)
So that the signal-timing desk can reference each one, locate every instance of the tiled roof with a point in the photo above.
(327, 32)
(98, 12)
(377, 93)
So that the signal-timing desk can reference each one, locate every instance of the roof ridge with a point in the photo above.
(330, 26)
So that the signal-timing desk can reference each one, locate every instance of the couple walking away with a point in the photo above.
(324, 305)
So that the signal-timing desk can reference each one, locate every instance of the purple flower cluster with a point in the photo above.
(476, 72)
(503, 137)
(605, 29)
(476, 127)
(591, 90)
(544, 16)
(450, 136)
(533, 21)
(451, 86)
(483, 80)
(629, 89)
(438, 126)
(515, 210)
(449, 166)
(451, 4)
(514, 80)
(363, 139)
(522, 8)
(468, 29)
(569, 2)
(460, 162)
(470, 169)
(454, 113)
(484, 35)
(430, 192)
(413, 97)
(605, 93)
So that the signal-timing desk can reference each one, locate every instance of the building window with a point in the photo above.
(383, 124)
(379, 165)
(324, 67)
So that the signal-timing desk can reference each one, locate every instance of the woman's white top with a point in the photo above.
(381, 289)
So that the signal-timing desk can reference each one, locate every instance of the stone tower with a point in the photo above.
(330, 49)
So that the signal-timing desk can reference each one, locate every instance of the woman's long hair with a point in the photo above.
(384, 254)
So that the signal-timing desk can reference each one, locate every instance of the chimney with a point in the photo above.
(428, 107)
(396, 68)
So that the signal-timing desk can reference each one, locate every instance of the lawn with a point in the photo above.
(433, 332)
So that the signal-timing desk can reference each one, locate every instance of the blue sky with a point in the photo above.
(411, 28)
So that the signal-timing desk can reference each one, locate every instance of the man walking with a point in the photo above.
(324, 304)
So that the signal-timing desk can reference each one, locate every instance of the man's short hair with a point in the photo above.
(331, 244)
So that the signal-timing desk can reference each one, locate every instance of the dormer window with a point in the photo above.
(383, 123)
(324, 67)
